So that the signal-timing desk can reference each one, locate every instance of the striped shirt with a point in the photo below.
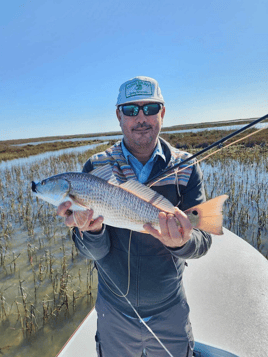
(143, 171)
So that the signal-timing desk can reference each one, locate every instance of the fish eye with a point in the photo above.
(43, 182)
(195, 213)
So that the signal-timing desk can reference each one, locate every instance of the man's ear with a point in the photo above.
(163, 111)
(118, 114)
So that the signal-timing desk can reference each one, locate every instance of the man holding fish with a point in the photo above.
(140, 270)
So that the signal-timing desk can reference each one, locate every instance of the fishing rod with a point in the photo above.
(217, 143)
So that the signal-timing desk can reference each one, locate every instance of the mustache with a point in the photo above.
(142, 126)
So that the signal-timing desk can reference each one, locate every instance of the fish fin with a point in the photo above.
(76, 205)
(148, 195)
(210, 215)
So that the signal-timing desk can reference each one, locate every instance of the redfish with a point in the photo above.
(127, 205)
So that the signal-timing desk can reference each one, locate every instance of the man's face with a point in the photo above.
(141, 131)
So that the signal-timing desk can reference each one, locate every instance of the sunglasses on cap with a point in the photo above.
(132, 110)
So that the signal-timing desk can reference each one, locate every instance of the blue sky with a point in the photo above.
(62, 62)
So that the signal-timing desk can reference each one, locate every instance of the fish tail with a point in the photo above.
(210, 215)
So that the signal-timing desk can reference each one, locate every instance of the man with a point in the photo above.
(138, 271)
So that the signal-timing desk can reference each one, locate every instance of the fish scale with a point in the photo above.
(119, 208)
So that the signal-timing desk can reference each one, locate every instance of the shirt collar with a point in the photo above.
(158, 151)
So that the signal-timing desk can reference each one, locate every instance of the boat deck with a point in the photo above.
(227, 291)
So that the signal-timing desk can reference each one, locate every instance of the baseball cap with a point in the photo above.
(138, 89)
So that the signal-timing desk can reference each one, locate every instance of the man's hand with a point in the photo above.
(81, 219)
(170, 233)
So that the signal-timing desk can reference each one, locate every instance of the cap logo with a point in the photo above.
(138, 88)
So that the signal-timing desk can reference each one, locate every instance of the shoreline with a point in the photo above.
(89, 135)
(186, 140)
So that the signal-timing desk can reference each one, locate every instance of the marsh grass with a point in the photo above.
(45, 283)
(47, 288)
(202, 139)
(245, 182)
(10, 152)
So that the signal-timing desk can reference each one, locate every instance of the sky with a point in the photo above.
(62, 62)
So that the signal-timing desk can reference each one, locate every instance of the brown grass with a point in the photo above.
(205, 138)
(10, 152)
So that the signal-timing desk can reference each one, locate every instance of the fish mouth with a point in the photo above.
(34, 187)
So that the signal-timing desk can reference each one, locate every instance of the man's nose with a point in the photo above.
(141, 117)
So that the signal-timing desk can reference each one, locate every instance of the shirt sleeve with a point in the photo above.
(196, 247)
(93, 246)
(192, 195)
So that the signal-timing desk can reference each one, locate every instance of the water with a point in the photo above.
(227, 128)
(111, 137)
(119, 137)
(29, 160)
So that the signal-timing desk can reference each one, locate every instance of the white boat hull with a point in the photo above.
(227, 291)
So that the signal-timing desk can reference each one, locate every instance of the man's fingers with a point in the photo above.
(163, 224)
(96, 225)
(184, 221)
(63, 209)
(168, 229)
(173, 228)
(81, 219)
(154, 232)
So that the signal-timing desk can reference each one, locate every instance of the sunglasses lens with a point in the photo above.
(151, 109)
(132, 110)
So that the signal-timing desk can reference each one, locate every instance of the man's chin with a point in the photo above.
(144, 142)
